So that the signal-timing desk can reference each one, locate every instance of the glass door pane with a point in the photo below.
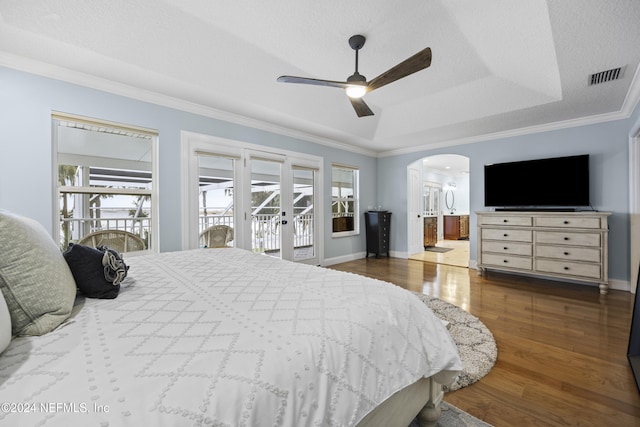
(427, 201)
(216, 201)
(266, 234)
(304, 246)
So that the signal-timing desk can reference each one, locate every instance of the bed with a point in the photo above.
(225, 337)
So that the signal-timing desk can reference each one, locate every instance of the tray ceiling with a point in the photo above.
(498, 66)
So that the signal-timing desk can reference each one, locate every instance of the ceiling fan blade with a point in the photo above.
(315, 82)
(361, 107)
(417, 62)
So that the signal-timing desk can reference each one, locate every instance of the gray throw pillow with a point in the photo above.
(34, 277)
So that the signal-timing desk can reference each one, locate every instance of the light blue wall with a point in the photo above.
(26, 177)
(606, 143)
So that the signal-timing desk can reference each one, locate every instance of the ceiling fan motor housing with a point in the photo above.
(356, 78)
(356, 42)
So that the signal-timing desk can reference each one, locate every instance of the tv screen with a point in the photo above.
(552, 182)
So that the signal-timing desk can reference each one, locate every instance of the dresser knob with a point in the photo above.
(566, 253)
(566, 238)
(566, 268)
(505, 220)
(566, 222)
(505, 248)
(505, 261)
(505, 234)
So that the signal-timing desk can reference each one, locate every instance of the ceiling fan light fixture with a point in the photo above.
(356, 90)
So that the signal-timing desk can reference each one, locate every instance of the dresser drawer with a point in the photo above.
(505, 234)
(564, 245)
(566, 222)
(569, 253)
(507, 261)
(567, 238)
(576, 269)
(507, 220)
(508, 248)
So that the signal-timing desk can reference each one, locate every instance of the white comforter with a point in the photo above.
(224, 337)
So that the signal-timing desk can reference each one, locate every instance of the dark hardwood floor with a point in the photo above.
(562, 348)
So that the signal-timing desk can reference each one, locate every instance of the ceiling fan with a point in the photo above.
(357, 86)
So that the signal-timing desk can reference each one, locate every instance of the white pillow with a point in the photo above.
(5, 324)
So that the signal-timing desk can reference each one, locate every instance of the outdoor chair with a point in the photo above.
(119, 240)
(216, 236)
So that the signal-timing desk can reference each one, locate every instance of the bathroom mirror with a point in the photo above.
(449, 199)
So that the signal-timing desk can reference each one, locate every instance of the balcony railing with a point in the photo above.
(73, 229)
(265, 228)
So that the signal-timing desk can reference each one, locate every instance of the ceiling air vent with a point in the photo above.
(605, 76)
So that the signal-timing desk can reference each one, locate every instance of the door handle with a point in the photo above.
(283, 222)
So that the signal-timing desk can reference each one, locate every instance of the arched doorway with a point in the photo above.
(438, 209)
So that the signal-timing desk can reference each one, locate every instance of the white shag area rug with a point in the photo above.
(476, 345)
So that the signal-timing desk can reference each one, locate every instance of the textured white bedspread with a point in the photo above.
(224, 337)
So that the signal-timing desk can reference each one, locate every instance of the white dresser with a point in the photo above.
(563, 245)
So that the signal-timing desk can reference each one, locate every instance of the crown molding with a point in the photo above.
(71, 76)
(633, 95)
(628, 106)
(583, 121)
(82, 79)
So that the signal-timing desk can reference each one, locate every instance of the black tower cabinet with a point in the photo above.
(378, 225)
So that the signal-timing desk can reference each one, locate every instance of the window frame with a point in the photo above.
(58, 189)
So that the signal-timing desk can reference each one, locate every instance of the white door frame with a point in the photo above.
(251, 155)
(415, 224)
(194, 143)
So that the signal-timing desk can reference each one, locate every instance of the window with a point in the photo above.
(105, 178)
(344, 200)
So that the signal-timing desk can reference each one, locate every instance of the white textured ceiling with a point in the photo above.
(498, 66)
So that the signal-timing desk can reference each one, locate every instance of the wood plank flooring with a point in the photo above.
(561, 347)
(458, 256)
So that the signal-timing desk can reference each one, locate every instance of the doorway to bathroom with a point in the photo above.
(438, 210)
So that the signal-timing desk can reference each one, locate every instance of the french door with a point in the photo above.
(269, 199)
(279, 217)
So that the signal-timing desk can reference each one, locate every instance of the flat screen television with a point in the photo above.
(559, 182)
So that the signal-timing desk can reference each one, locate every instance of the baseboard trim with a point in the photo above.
(343, 258)
(620, 285)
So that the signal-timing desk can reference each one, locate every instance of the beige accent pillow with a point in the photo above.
(5, 324)
(34, 277)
